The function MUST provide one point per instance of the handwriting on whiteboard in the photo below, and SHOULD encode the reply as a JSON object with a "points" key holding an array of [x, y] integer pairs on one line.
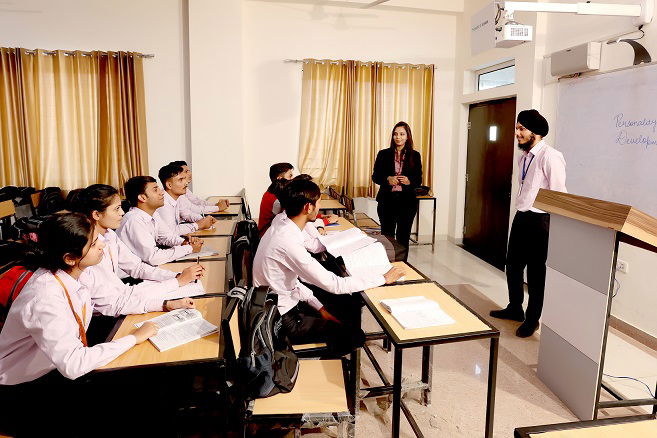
{"points": [[632, 138]]}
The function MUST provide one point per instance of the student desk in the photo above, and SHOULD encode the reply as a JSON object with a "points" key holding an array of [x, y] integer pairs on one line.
{"points": [[233, 200], [468, 326], [410, 272], [207, 349], [233, 210], [214, 280], [331, 205], [342, 224], [416, 233], [636, 426], [221, 229]]}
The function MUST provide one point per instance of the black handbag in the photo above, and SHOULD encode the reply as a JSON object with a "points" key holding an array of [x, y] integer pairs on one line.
{"points": [[422, 190]]}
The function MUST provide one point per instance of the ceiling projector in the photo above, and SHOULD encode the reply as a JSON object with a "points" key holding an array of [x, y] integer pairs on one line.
{"points": [[511, 34]]}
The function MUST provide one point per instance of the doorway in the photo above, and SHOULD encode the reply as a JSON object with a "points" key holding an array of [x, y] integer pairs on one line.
{"points": [[489, 169]]}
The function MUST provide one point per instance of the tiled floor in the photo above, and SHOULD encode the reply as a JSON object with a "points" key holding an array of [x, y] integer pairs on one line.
{"points": [[460, 369]]}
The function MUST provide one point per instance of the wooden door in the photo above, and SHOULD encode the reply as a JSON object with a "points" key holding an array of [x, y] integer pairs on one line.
{"points": [[491, 134]]}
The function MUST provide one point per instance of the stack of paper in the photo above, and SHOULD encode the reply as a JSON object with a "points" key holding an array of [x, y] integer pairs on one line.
{"points": [[346, 242], [371, 259], [179, 327], [189, 290], [416, 312]]}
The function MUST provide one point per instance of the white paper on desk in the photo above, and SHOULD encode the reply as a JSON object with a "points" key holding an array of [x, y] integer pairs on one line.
{"points": [[179, 327], [417, 312], [207, 252], [189, 290], [345, 242], [371, 259]]}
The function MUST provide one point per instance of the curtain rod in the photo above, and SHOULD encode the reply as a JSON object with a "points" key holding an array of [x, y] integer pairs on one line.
{"points": [[385, 64], [83, 53]]}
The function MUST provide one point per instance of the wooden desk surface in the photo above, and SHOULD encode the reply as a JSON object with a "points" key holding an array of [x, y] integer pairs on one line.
{"points": [[410, 273], [221, 228], [466, 321], [343, 224], [639, 429], [331, 204], [231, 199], [232, 210], [145, 353], [320, 388], [214, 280]]}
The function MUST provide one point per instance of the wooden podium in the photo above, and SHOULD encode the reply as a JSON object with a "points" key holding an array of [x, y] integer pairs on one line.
{"points": [[579, 283]]}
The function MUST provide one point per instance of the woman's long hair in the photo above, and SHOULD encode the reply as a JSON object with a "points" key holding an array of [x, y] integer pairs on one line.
{"points": [[408, 146]]}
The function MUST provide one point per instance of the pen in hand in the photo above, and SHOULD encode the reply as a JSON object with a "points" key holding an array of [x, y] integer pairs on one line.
{"points": [[198, 263]]}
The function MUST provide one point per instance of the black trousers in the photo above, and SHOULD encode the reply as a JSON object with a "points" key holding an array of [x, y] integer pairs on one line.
{"points": [[396, 213], [528, 246], [305, 325]]}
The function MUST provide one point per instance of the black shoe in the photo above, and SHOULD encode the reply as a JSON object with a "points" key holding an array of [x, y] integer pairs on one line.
{"points": [[526, 329], [513, 315]]}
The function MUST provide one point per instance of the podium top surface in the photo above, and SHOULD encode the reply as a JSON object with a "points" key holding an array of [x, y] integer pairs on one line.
{"points": [[638, 227]]}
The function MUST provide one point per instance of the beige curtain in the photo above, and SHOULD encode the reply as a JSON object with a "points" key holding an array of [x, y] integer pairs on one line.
{"points": [[348, 117], [71, 120]]}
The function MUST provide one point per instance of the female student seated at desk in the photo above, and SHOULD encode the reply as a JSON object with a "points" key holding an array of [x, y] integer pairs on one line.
{"points": [[110, 296], [43, 342]]}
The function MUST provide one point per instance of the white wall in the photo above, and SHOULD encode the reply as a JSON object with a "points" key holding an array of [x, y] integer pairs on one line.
{"points": [[276, 31], [637, 298], [147, 26]]}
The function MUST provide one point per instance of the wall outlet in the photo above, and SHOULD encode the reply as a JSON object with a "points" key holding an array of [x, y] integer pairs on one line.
{"points": [[622, 266]]}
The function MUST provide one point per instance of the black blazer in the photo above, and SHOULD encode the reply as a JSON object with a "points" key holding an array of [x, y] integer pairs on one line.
{"points": [[384, 166]]}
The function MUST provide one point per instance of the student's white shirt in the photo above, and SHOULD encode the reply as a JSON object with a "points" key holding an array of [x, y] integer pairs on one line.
{"points": [[169, 215], [276, 209], [110, 296], [141, 233], [282, 257], [41, 334], [198, 205]]}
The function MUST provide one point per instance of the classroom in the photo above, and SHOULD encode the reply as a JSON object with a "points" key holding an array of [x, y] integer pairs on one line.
{"points": [[234, 217]]}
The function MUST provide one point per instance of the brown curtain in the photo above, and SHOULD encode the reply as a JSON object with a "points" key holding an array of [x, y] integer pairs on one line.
{"points": [[71, 120], [347, 118]]}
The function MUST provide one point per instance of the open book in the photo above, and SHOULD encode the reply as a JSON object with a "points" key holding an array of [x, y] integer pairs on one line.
{"points": [[416, 312], [345, 242], [371, 259], [189, 290], [203, 253], [179, 327]]}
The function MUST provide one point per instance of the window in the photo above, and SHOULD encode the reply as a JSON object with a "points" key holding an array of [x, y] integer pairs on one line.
{"points": [[496, 76]]}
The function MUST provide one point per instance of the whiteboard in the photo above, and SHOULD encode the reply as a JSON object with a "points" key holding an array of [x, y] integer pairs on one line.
{"points": [[607, 131]]}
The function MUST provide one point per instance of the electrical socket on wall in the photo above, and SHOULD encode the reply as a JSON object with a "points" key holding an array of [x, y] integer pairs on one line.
{"points": [[622, 266]]}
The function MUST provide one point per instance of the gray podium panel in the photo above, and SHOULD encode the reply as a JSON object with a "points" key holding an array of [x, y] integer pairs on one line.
{"points": [[581, 251], [570, 374], [576, 312]]}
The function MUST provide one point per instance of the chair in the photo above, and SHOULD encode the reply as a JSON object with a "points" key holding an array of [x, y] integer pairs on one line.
{"points": [[359, 219], [320, 396], [333, 193], [7, 212]]}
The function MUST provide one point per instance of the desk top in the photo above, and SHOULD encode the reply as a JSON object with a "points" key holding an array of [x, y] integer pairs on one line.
{"points": [[231, 199], [215, 273], [203, 349], [639, 429], [221, 228], [331, 204], [343, 224], [232, 210], [468, 323], [410, 273]]}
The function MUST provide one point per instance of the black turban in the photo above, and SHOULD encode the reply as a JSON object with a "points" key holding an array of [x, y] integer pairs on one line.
{"points": [[534, 121]]}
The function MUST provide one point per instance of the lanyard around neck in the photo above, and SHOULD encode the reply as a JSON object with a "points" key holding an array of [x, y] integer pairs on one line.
{"points": [[526, 169], [83, 333]]}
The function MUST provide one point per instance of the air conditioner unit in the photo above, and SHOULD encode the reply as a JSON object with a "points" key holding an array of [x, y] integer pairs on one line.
{"points": [[579, 59]]}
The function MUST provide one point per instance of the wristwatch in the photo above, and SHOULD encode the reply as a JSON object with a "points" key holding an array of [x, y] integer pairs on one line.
{"points": [[164, 306]]}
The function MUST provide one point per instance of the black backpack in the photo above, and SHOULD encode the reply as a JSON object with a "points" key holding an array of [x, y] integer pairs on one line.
{"points": [[51, 201], [267, 364]]}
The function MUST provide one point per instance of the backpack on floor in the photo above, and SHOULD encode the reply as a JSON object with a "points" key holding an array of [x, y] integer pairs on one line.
{"points": [[267, 364]]}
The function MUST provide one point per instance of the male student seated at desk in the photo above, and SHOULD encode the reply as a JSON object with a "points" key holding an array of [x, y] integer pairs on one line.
{"points": [[282, 259], [143, 234], [43, 343], [190, 204], [175, 184], [111, 297]]}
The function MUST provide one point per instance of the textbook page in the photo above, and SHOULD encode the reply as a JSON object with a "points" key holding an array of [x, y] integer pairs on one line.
{"points": [[207, 252], [179, 327], [189, 290], [345, 242], [371, 259], [417, 312]]}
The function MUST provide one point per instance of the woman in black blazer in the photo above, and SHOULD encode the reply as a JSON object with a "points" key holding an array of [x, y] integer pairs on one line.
{"points": [[398, 170]]}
